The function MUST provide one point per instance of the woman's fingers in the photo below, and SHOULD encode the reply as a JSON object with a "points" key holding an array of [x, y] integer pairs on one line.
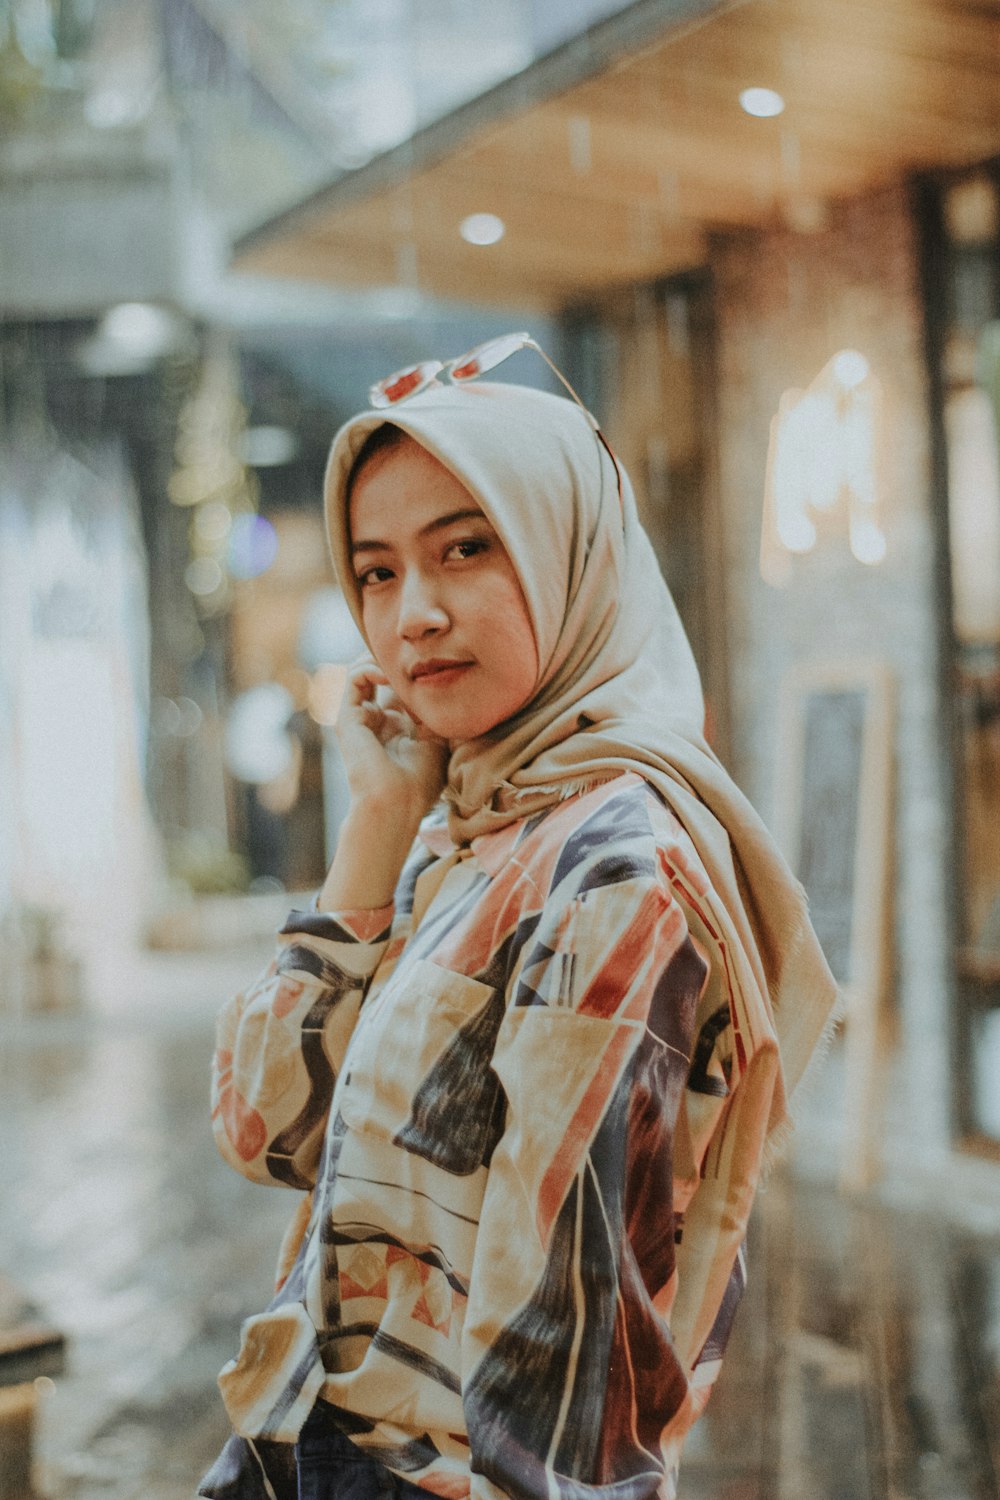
{"points": [[361, 705], [386, 723], [387, 753], [381, 709], [363, 678], [371, 706]]}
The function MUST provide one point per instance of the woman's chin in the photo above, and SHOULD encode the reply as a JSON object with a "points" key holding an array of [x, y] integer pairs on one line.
{"points": [[458, 728]]}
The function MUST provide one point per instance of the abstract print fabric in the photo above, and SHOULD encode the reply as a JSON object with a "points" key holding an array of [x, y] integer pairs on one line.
{"points": [[619, 691], [503, 1095]]}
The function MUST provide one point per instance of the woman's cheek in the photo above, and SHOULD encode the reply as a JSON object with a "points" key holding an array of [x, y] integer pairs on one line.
{"points": [[379, 635]]}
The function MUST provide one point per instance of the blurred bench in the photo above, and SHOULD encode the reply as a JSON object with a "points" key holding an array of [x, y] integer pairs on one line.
{"points": [[29, 1348]]}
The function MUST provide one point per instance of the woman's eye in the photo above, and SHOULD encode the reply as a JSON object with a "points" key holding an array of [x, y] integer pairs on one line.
{"points": [[467, 547], [373, 575]]}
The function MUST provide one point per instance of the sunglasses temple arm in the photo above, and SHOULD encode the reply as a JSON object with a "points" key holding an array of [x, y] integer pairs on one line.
{"points": [[588, 414], [562, 379]]}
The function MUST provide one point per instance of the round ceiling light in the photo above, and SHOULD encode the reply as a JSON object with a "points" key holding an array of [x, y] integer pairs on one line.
{"points": [[761, 103], [482, 229]]}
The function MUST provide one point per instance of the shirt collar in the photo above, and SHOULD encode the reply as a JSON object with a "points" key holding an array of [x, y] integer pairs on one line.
{"points": [[491, 851]]}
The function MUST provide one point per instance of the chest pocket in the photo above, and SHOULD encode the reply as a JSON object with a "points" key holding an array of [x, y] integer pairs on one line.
{"points": [[418, 1069]]}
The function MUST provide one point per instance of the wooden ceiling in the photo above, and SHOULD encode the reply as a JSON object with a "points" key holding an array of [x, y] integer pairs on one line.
{"points": [[621, 175]]}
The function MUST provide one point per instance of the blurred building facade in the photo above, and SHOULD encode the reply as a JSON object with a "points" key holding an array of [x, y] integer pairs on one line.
{"points": [[285, 197]]}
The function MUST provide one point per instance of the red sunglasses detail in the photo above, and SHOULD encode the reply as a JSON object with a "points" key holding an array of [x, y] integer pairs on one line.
{"points": [[403, 384], [407, 382]]}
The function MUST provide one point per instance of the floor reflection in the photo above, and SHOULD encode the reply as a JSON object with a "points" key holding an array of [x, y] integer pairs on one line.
{"points": [[864, 1364]]}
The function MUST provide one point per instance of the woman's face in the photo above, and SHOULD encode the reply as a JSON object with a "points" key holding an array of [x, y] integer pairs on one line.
{"points": [[441, 602]]}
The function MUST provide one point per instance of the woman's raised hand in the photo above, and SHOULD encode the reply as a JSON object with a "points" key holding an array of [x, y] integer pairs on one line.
{"points": [[392, 763], [395, 772]]}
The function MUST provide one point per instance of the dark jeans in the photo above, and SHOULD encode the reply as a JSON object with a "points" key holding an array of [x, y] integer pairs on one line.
{"points": [[330, 1467]]}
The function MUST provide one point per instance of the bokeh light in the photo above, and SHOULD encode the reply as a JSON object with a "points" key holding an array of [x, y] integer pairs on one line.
{"points": [[212, 521], [482, 229], [253, 546], [850, 368], [203, 576], [326, 692], [189, 717], [763, 104], [868, 542], [328, 632], [257, 745]]}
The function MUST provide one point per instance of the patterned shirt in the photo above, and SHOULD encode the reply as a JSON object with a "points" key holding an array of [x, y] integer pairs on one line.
{"points": [[499, 1093]]}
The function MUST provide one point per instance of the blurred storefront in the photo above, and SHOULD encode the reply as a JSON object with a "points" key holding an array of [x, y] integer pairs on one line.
{"points": [[764, 241]]}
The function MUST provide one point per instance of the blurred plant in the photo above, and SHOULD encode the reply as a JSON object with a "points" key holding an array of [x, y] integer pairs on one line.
{"points": [[205, 866], [21, 81]]}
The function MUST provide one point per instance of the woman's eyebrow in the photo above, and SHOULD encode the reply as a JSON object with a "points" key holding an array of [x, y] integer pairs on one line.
{"points": [[438, 524]]}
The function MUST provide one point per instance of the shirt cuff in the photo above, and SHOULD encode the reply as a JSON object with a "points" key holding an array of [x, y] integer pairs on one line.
{"points": [[365, 925]]}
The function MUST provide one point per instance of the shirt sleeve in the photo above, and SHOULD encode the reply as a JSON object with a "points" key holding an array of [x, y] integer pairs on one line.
{"points": [[571, 1383], [281, 1042]]}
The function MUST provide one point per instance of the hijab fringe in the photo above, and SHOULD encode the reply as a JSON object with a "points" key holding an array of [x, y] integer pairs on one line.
{"points": [[781, 1135]]}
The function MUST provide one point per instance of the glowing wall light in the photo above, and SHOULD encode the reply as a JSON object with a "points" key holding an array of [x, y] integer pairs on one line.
{"points": [[823, 454]]}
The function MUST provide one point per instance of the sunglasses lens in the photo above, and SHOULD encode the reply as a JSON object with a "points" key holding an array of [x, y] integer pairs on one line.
{"points": [[486, 356], [403, 383], [468, 369]]}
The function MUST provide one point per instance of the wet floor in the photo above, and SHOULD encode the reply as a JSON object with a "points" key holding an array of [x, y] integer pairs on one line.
{"points": [[865, 1364]]}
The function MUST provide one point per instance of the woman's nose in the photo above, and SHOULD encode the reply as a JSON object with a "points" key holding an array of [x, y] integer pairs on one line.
{"points": [[420, 607]]}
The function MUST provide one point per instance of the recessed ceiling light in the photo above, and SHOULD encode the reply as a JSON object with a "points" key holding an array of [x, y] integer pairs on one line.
{"points": [[482, 229], [763, 103]]}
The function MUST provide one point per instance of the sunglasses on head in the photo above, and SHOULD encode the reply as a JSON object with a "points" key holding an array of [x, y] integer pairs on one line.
{"points": [[410, 381]]}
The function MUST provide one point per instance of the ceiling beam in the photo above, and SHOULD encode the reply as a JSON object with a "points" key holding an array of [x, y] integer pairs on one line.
{"points": [[639, 25]]}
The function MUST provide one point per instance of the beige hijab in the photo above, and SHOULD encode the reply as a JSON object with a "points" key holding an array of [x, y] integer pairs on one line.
{"points": [[618, 690]]}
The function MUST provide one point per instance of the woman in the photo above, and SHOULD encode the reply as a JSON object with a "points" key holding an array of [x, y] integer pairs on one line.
{"points": [[528, 1053]]}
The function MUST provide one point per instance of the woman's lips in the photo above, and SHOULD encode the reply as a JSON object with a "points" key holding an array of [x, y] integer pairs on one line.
{"points": [[438, 673]]}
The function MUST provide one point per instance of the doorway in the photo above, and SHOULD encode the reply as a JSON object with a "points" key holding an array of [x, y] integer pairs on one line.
{"points": [[644, 360], [960, 220]]}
